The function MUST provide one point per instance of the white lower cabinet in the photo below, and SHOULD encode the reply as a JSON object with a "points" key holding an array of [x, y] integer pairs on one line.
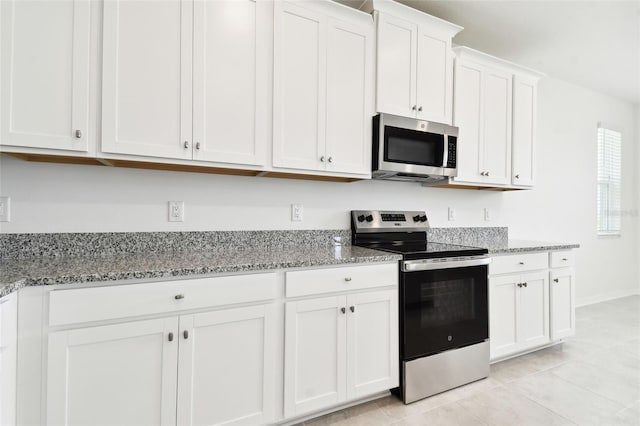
{"points": [[519, 307], [339, 348], [8, 353], [189, 369], [532, 301]]}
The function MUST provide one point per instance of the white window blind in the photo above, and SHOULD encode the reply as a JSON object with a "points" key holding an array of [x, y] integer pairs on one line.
{"points": [[609, 181]]}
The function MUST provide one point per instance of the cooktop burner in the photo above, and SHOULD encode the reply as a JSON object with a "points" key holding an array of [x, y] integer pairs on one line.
{"points": [[404, 233]]}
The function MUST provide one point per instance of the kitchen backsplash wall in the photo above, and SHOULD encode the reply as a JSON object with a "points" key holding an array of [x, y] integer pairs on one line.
{"points": [[71, 198]]}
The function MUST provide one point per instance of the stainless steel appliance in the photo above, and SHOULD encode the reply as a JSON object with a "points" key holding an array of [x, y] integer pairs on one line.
{"points": [[413, 150], [444, 319]]}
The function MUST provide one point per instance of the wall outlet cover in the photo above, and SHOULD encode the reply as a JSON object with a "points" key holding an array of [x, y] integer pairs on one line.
{"points": [[176, 211], [5, 209], [452, 214], [487, 214], [297, 212]]}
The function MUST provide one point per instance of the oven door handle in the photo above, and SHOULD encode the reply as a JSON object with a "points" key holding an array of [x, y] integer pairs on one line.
{"points": [[429, 264]]}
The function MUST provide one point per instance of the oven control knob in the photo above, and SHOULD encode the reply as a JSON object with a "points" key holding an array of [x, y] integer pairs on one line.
{"points": [[423, 218], [416, 218], [361, 218], [369, 218]]}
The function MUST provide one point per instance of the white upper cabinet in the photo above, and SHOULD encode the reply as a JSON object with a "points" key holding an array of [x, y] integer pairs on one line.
{"points": [[45, 74], [146, 86], [186, 79], [524, 129], [323, 63], [414, 63], [231, 60], [494, 108]]}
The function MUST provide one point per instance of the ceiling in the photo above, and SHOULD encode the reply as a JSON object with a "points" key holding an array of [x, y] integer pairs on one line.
{"points": [[595, 44]]}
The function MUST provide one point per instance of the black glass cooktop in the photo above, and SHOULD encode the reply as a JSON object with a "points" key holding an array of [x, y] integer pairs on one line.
{"points": [[426, 250]]}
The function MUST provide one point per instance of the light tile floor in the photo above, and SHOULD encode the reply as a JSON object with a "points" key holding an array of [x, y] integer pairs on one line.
{"points": [[591, 379]]}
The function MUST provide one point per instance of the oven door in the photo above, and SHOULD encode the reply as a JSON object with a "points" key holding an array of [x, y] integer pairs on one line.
{"points": [[443, 309]]}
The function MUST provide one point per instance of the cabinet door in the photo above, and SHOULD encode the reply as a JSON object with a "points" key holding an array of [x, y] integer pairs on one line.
{"points": [[468, 108], [372, 343], [563, 304], [524, 127], [8, 353], [396, 75], [224, 379], [503, 315], [146, 78], [230, 86], [434, 77], [315, 355], [496, 140], [115, 374], [45, 74], [299, 101], [533, 328], [349, 93]]}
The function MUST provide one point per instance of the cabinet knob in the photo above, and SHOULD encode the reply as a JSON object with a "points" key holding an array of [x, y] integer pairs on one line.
{"points": [[322, 159], [414, 107], [555, 280], [519, 284], [170, 337], [352, 308], [517, 176], [343, 310], [330, 159], [420, 109], [78, 134], [486, 173], [524, 285], [347, 279], [178, 296], [186, 144], [197, 145], [483, 173]]}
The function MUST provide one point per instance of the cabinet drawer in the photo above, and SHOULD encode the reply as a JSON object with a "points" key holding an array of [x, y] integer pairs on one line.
{"points": [[103, 303], [318, 281], [518, 263], [561, 259]]}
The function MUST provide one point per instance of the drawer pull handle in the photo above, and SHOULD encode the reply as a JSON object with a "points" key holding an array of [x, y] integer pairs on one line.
{"points": [[347, 279], [352, 308], [179, 296], [343, 310], [564, 259], [555, 280], [185, 334], [171, 337], [520, 263]]}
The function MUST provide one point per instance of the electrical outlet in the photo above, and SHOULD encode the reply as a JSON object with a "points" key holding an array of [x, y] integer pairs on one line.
{"points": [[5, 209], [452, 214], [297, 212], [487, 214], [176, 211]]}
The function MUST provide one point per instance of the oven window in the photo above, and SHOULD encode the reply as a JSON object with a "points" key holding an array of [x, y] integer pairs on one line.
{"points": [[443, 309], [413, 147]]}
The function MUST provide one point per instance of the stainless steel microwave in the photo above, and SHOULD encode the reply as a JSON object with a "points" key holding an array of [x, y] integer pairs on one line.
{"points": [[413, 150]]}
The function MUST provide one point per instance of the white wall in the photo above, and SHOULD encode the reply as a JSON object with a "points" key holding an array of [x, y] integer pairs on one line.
{"points": [[66, 198]]}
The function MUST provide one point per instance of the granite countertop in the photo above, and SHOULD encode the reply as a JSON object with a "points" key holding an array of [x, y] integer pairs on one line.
{"points": [[523, 246], [18, 273]]}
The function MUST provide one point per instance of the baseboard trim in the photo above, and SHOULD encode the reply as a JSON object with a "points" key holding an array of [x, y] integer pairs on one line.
{"points": [[604, 297]]}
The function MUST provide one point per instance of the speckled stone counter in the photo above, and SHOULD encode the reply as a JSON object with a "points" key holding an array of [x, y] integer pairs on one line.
{"points": [[18, 273], [523, 246]]}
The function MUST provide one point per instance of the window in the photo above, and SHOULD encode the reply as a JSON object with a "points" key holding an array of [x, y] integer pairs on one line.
{"points": [[609, 181]]}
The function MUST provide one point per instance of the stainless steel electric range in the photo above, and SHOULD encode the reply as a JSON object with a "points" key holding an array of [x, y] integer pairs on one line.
{"points": [[444, 319]]}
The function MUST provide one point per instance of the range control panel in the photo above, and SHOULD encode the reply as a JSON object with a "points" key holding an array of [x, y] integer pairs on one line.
{"points": [[388, 221]]}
